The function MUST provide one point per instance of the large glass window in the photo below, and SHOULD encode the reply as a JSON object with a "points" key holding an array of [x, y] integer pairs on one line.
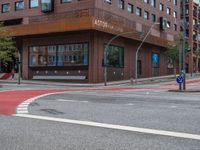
{"points": [[61, 55], [5, 8], [33, 3], [115, 56], [51, 55], [19, 5]]}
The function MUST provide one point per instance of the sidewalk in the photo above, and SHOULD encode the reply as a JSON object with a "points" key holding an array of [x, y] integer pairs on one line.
{"points": [[170, 78]]}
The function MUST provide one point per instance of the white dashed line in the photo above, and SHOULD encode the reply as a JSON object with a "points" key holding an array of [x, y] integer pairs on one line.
{"points": [[73, 101], [116, 127]]}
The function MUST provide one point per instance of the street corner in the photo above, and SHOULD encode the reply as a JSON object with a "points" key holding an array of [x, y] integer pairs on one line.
{"points": [[11, 99]]}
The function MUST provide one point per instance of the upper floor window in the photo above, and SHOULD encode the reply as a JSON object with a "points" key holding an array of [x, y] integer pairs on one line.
{"points": [[19, 5], [130, 8], [33, 3], [153, 16], [146, 15], [108, 1], [175, 27], [168, 11], [138, 11], [175, 14], [153, 3], [175, 2], [47, 5], [66, 1], [161, 7], [146, 1], [121, 4], [5, 8]]}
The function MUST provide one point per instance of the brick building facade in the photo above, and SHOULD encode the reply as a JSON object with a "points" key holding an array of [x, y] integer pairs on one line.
{"points": [[65, 39]]}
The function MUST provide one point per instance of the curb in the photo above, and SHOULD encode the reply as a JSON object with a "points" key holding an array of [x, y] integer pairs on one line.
{"points": [[185, 91]]}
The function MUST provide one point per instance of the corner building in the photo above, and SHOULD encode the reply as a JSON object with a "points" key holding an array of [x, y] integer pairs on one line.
{"points": [[65, 39]]}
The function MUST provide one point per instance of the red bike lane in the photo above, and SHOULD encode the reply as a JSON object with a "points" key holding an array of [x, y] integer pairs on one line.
{"points": [[9, 100]]}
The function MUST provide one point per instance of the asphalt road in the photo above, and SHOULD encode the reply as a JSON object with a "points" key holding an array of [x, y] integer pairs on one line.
{"points": [[28, 134], [142, 109]]}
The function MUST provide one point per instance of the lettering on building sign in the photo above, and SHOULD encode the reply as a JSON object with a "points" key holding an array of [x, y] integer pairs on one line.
{"points": [[106, 25]]}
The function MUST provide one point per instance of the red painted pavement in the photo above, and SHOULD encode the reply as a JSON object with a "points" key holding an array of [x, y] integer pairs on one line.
{"points": [[9, 100]]}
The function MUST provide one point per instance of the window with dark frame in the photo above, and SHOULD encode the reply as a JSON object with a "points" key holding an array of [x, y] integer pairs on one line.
{"points": [[146, 15], [130, 8], [47, 5], [5, 8], [108, 1], [138, 11], [65, 1], [33, 3], [121, 4], [153, 17], [19, 5], [115, 56]]}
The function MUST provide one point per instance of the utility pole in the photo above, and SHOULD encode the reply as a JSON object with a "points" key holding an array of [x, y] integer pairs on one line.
{"points": [[184, 40]]}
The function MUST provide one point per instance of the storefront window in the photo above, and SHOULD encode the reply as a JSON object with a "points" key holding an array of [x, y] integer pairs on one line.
{"points": [[51, 57], [115, 56], [61, 55]]}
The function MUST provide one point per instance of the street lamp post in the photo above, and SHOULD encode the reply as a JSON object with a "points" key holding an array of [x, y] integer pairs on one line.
{"points": [[106, 51], [136, 54]]}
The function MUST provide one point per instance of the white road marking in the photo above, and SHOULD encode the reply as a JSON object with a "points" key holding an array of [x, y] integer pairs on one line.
{"points": [[173, 106], [22, 112], [25, 104], [130, 104], [73, 101], [22, 108], [116, 127]]}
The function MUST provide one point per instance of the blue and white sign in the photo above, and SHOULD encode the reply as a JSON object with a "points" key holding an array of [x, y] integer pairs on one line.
{"points": [[179, 79], [155, 60]]}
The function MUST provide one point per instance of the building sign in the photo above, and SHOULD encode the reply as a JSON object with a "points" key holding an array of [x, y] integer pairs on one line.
{"points": [[107, 26], [155, 59]]}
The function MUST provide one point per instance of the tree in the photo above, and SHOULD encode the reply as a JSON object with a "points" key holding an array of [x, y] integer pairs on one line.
{"points": [[7, 45], [172, 51]]}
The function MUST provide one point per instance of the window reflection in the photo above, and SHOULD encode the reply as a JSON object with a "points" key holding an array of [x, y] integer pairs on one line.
{"points": [[61, 55]]}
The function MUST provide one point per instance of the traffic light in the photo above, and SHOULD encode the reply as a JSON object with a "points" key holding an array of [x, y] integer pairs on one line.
{"points": [[163, 23]]}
